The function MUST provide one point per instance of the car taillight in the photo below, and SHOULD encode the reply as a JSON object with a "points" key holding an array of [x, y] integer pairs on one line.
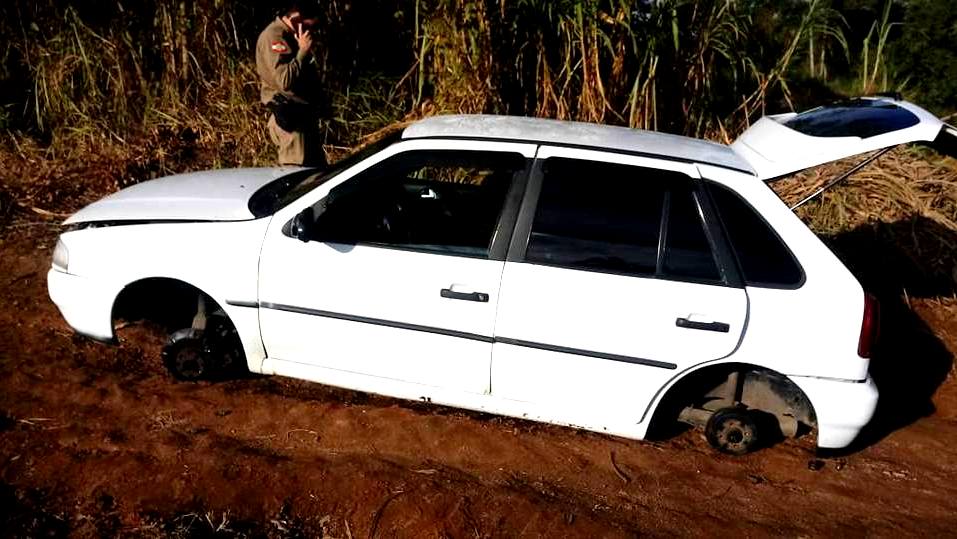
{"points": [[870, 326]]}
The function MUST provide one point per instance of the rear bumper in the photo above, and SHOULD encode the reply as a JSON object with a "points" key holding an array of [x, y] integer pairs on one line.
{"points": [[85, 304], [842, 408]]}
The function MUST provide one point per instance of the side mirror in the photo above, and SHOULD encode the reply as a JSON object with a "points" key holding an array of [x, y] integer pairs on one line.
{"points": [[303, 224]]}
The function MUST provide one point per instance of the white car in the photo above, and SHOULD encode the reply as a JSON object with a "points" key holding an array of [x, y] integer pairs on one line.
{"points": [[599, 277]]}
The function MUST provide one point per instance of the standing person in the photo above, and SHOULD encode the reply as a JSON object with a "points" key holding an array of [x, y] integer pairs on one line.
{"points": [[289, 84]]}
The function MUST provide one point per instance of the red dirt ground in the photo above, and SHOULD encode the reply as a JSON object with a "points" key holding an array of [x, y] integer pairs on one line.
{"points": [[98, 441]]}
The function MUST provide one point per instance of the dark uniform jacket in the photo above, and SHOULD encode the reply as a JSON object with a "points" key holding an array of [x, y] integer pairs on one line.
{"points": [[283, 68]]}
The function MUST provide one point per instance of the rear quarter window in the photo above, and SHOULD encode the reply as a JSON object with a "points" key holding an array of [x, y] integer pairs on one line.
{"points": [[764, 259]]}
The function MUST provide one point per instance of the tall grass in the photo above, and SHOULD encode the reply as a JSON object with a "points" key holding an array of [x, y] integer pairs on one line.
{"points": [[94, 96], [178, 69], [915, 189], [179, 74], [701, 68], [691, 67], [114, 82], [874, 70]]}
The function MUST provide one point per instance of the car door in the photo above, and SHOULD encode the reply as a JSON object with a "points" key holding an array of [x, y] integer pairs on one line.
{"points": [[399, 275], [611, 287]]}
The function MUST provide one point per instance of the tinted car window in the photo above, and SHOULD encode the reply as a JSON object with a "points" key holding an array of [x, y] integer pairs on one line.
{"points": [[853, 118], [762, 256], [280, 192], [609, 217], [687, 250], [436, 201]]}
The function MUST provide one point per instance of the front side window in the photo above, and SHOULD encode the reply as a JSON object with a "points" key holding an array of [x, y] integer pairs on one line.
{"points": [[439, 201], [619, 219], [281, 192]]}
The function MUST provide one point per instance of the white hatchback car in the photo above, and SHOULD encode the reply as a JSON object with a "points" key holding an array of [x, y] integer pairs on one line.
{"points": [[600, 277]]}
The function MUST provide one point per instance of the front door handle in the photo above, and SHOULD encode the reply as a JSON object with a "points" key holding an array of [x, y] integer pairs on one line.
{"points": [[720, 327], [466, 296]]}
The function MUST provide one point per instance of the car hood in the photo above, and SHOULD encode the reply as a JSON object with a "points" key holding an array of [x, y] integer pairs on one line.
{"points": [[214, 195]]}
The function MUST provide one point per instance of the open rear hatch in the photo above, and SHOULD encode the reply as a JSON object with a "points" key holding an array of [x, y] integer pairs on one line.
{"points": [[782, 144]]}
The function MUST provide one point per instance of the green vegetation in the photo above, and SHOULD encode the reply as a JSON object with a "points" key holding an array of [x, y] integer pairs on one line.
{"points": [[925, 55], [168, 70], [116, 70], [95, 95]]}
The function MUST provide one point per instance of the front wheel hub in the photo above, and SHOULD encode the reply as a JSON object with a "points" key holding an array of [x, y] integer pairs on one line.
{"points": [[186, 355]]}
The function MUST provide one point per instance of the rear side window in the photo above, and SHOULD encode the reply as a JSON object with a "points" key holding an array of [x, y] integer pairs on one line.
{"points": [[619, 219], [764, 259], [687, 252]]}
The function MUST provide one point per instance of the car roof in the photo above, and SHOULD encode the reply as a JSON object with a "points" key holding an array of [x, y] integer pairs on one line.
{"points": [[578, 134]]}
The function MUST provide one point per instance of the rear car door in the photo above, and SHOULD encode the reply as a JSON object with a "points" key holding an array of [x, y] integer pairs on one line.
{"points": [[613, 284], [399, 278]]}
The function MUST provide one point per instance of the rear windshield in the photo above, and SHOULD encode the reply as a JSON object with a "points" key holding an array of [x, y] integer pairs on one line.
{"points": [[853, 118]]}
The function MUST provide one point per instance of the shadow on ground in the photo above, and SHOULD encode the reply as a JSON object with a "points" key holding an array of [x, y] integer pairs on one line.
{"points": [[897, 262]]}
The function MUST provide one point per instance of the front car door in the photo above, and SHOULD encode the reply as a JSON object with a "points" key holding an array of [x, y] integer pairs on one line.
{"points": [[612, 286], [398, 283]]}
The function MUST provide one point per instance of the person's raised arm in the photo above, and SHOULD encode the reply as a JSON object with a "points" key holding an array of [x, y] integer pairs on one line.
{"points": [[286, 67]]}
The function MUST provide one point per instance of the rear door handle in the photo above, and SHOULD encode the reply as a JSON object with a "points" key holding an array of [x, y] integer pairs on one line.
{"points": [[466, 296], [720, 327]]}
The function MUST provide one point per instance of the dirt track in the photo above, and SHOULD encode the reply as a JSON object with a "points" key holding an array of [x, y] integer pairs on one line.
{"points": [[97, 440]]}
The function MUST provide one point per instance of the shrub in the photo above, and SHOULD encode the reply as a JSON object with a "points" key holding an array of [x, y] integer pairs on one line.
{"points": [[926, 57]]}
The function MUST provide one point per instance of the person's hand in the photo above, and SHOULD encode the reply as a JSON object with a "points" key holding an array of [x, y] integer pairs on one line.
{"points": [[304, 39]]}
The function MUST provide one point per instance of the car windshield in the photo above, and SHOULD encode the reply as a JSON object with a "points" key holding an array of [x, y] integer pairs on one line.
{"points": [[279, 193]]}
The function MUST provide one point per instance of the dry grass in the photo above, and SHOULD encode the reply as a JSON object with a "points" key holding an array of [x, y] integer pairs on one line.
{"points": [[913, 189], [60, 179], [903, 183], [165, 420], [170, 87]]}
